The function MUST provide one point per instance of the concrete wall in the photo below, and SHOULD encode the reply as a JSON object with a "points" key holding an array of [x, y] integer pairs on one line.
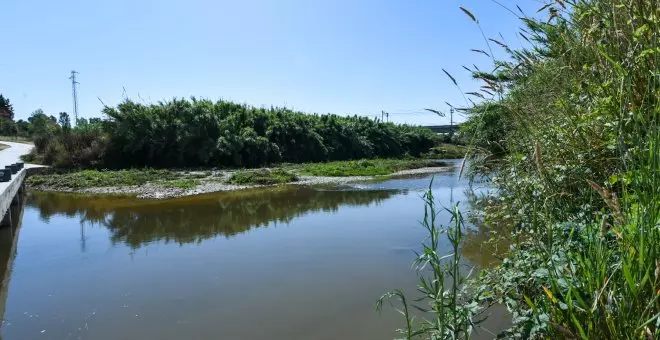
{"points": [[9, 191]]}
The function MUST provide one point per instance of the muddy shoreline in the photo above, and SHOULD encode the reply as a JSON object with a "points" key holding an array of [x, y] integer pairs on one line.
{"points": [[156, 191]]}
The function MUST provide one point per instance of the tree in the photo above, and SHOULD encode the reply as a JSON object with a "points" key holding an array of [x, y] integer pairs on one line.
{"points": [[42, 125], [6, 109], [81, 122], [23, 128], [65, 121], [8, 127]]}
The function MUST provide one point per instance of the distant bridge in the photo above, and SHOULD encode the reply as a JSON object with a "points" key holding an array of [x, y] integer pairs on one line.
{"points": [[443, 128]]}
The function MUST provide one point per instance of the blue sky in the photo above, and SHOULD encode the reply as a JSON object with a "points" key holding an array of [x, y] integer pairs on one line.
{"points": [[338, 56]]}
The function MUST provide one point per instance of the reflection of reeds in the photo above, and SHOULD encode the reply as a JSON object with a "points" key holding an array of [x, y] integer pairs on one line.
{"points": [[192, 219]]}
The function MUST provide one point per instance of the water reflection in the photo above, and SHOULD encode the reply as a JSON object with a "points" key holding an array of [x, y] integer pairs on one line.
{"points": [[213, 266], [8, 243], [194, 219]]}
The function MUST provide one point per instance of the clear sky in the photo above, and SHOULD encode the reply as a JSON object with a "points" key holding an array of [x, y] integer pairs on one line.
{"points": [[330, 56]]}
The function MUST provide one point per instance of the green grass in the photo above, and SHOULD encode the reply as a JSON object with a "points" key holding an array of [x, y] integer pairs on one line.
{"points": [[56, 180], [365, 167], [262, 177], [446, 151], [3, 146], [15, 139], [183, 183], [100, 178]]}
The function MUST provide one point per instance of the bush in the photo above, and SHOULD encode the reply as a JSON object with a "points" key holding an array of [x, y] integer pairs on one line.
{"points": [[73, 149]]}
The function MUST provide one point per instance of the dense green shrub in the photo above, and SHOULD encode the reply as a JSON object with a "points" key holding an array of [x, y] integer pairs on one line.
{"points": [[206, 133], [184, 133], [81, 147]]}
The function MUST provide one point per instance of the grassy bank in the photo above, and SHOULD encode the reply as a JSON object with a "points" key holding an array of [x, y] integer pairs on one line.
{"points": [[262, 177], [83, 179], [96, 178], [365, 167]]}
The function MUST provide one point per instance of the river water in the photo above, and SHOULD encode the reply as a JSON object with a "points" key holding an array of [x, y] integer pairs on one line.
{"points": [[281, 263]]}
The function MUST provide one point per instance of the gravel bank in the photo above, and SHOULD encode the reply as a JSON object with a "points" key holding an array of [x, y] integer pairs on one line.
{"points": [[216, 183]]}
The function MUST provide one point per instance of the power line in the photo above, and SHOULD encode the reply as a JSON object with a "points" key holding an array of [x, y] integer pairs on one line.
{"points": [[409, 113], [75, 96], [386, 114]]}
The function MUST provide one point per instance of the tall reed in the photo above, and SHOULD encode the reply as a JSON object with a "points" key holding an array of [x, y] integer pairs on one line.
{"points": [[448, 310], [570, 134], [579, 178]]}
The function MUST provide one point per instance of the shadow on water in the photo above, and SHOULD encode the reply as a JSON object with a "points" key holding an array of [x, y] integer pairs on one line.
{"points": [[8, 245], [197, 218]]}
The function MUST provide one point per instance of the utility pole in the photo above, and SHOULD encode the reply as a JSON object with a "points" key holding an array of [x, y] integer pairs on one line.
{"points": [[75, 96], [451, 118], [386, 114]]}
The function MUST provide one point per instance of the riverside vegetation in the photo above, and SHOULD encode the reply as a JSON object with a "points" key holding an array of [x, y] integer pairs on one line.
{"points": [[195, 134], [202, 133], [568, 129]]}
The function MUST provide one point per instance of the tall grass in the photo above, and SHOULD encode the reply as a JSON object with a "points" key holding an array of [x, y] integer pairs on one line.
{"points": [[570, 134], [580, 172]]}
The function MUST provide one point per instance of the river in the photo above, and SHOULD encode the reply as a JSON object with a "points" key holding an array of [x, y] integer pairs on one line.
{"points": [[280, 263]]}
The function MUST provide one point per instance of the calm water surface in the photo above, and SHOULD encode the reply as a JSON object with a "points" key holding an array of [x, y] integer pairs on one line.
{"points": [[285, 263]]}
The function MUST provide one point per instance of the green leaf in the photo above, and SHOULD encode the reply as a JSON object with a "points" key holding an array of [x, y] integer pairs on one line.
{"points": [[529, 302], [629, 279], [578, 326], [640, 30], [616, 65]]}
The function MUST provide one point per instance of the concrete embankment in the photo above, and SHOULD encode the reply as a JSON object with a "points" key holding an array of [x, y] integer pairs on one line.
{"points": [[9, 191]]}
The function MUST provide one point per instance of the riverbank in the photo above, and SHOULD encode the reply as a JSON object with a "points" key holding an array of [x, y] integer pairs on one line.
{"points": [[162, 184]]}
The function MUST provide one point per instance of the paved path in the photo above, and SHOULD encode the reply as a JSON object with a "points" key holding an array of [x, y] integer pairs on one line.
{"points": [[8, 190], [13, 153]]}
